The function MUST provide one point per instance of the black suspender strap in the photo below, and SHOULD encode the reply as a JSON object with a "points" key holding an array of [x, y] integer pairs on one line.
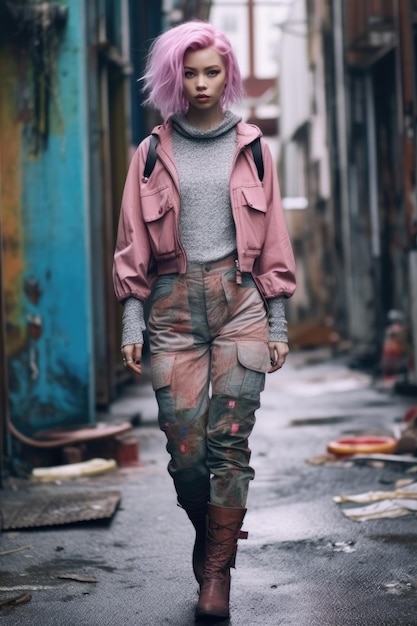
{"points": [[150, 158], [257, 157]]}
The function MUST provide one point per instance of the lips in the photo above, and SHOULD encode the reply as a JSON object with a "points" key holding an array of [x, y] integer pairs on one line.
{"points": [[202, 97]]}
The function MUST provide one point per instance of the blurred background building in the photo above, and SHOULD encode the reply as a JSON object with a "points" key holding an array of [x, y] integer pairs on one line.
{"points": [[331, 83]]}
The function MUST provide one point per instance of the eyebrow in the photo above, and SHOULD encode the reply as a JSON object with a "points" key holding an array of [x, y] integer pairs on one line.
{"points": [[209, 67]]}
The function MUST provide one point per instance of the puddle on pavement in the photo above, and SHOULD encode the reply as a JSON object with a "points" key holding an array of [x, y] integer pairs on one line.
{"points": [[400, 588], [409, 540], [320, 421], [328, 546], [64, 565], [46, 574]]}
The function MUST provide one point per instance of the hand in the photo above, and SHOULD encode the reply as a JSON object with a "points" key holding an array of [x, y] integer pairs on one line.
{"points": [[132, 357], [278, 351]]}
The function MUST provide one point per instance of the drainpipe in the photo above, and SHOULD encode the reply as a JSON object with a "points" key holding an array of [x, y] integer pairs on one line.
{"points": [[407, 106], [341, 124], [373, 209], [412, 262]]}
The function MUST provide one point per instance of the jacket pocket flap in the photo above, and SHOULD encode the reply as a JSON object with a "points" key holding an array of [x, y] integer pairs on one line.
{"points": [[156, 205], [254, 197], [254, 355]]}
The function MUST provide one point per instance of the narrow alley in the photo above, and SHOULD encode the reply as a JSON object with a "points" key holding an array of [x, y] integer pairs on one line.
{"points": [[304, 563], [318, 213]]}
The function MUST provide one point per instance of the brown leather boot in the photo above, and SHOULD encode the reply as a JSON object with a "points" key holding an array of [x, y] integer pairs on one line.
{"points": [[197, 513], [223, 531]]}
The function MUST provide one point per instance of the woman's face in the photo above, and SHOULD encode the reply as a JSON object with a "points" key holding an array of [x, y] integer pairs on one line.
{"points": [[204, 78]]}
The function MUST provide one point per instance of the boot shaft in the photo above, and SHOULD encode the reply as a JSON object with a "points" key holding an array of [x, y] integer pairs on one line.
{"points": [[223, 531]]}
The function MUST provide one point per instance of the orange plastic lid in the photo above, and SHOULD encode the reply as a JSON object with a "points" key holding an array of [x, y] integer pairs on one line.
{"points": [[368, 444]]}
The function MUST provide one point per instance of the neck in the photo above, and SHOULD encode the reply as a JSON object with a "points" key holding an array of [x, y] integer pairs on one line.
{"points": [[204, 120]]}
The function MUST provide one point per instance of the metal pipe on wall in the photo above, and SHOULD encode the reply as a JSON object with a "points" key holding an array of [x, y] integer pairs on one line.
{"points": [[412, 261], [341, 123], [374, 207], [407, 161]]}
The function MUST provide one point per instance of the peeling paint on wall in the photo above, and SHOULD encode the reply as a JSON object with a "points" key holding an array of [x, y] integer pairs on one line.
{"points": [[45, 225], [10, 192]]}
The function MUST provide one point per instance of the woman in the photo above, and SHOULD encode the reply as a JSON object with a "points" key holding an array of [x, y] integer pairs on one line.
{"points": [[208, 238]]}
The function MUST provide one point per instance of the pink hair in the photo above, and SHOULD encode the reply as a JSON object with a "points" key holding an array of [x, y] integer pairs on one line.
{"points": [[163, 77]]}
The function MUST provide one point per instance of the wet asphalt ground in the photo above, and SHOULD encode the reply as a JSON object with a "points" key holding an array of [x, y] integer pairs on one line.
{"points": [[304, 564]]}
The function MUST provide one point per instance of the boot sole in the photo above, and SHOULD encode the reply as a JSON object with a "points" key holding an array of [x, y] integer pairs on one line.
{"points": [[212, 614]]}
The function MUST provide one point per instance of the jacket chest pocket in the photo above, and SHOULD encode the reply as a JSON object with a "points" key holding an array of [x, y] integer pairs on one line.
{"points": [[252, 214], [159, 217]]}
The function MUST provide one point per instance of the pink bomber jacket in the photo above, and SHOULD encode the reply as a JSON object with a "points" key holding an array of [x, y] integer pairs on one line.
{"points": [[148, 242]]}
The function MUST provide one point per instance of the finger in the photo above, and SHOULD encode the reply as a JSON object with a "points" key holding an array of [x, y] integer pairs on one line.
{"points": [[274, 361], [132, 357], [137, 353], [135, 364], [278, 353]]}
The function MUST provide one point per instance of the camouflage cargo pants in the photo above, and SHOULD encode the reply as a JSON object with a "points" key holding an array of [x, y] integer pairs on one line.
{"points": [[209, 355]]}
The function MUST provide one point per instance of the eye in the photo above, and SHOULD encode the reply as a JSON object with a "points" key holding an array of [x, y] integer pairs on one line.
{"points": [[188, 74], [213, 73]]}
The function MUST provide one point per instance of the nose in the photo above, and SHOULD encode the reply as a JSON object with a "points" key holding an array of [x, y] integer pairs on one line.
{"points": [[201, 83]]}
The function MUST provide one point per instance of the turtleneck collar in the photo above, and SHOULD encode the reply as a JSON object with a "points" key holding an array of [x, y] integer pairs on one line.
{"points": [[180, 124]]}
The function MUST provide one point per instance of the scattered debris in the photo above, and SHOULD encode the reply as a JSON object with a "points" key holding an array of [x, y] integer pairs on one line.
{"points": [[93, 467], [23, 598], [376, 496], [403, 482], [408, 439], [376, 464], [26, 588], [386, 458], [344, 546], [15, 550], [329, 460], [46, 509], [81, 578], [398, 588], [385, 503]]}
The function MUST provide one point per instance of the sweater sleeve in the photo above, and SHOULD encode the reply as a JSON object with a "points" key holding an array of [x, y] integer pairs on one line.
{"points": [[277, 320], [133, 322]]}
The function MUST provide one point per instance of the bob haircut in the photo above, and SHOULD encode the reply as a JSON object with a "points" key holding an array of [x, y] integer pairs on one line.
{"points": [[163, 77]]}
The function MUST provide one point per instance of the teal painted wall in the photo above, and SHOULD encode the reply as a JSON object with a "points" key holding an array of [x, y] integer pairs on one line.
{"points": [[47, 264]]}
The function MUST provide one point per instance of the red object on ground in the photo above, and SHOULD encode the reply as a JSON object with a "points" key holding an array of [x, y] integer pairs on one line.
{"points": [[127, 452], [368, 444], [411, 414]]}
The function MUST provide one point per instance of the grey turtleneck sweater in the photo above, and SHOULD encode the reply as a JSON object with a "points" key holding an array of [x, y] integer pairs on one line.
{"points": [[207, 228]]}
